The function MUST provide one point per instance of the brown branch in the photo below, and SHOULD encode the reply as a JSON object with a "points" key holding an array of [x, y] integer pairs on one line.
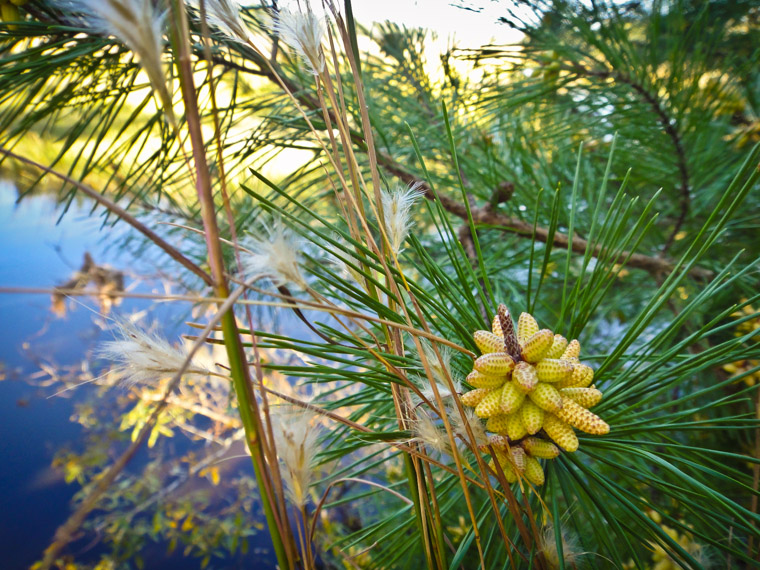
{"points": [[668, 126], [486, 216]]}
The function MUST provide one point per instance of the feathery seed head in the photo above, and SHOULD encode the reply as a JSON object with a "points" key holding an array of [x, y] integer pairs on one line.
{"points": [[143, 357], [225, 16], [548, 546], [296, 437], [397, 207], [440, 370], [139, 25], [425, 431], [426, 389], [303, 31], [276, 257], [460, 424]]}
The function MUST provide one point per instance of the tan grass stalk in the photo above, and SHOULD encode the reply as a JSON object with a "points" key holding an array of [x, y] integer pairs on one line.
{"points": [[229, 14], [279, 529]]}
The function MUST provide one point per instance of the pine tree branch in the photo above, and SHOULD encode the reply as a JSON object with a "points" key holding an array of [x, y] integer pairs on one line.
{"points": [[488, 216], [668, 125]]}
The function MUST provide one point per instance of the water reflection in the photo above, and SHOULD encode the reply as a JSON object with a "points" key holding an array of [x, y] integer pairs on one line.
{"points": [[41, 250]]}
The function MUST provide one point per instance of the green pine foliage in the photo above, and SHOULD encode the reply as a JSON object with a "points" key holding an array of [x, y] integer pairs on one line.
{"points": [[600, 175]]}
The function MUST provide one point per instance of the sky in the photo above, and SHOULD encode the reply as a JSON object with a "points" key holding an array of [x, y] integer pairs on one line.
{"points": [[470, 27]]}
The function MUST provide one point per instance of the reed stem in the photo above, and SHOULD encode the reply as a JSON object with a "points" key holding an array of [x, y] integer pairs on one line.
{"points": [[279, 529]]}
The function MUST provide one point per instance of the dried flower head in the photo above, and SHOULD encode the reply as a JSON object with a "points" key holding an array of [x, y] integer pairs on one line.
{"points": [[397, 205], [225, 16], [296, 437], [141, 357], [426, 431], [460, 424], [276, 256], [138, 24], [548, 546], [440, 369], [303, 31]]}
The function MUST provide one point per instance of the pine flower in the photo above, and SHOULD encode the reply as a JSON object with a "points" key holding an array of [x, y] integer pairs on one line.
{"points": [[296, 435], [139, 25], [142, 357], [303, 31], [225, 16], [530, 382], [396, 214], [276, 257]]}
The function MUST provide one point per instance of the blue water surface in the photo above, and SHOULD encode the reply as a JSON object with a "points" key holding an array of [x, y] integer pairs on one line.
{"points": [[39, 249]]}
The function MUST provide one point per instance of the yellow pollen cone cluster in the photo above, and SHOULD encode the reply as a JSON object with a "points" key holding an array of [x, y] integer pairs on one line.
{"points": [[521, 460], [531, 387]]}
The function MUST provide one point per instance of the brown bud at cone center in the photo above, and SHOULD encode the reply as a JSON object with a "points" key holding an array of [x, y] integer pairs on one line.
{"points": [[511, 345]]}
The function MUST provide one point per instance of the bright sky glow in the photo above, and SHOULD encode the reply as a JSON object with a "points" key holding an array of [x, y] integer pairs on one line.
{"points": [[449, 24], [452, 24]]}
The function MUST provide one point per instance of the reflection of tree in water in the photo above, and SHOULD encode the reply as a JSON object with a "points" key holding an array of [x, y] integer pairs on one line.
{"points": [[192, 492], [108, 284]]}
